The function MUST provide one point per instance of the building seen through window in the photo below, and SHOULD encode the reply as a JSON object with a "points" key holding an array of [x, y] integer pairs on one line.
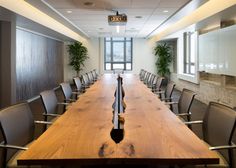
{"points": [[118, 53]]}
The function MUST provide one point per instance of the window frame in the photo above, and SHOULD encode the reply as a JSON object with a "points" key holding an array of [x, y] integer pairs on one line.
{"points": [[124, 41], [187, 54]]}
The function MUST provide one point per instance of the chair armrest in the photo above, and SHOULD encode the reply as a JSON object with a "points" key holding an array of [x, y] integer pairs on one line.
{"points": [[70, 100], [222, 147], [167, 98], [184, 114], [169, 103], [43, 122], [164, 99], [85, 86], [75, 92], [13, 147], [61, 103], [52, 115], [193, 122]]}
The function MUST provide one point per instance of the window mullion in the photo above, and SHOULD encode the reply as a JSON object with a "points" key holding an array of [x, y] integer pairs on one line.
{"points": [[124, 54], [189, 53], [111, 54]]}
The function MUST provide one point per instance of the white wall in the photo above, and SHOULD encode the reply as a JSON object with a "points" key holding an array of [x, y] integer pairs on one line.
{"points": [[92, 45], [143, 55]]}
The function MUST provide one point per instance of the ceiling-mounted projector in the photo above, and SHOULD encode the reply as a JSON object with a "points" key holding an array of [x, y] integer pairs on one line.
{"points": [[117, 20]]}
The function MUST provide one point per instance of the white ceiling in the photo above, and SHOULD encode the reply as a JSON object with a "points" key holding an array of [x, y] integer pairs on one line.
{"points": [[93, 20]]}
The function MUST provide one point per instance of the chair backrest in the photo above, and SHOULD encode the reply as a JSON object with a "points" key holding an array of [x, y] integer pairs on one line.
{"points": [[17, 125], [142, 77], [159, 83], [66, 90], [154, 80], [141, 72], [169, 89], [147, 77], [218, 126], [151, 79], [85, 79], [50, 101], [77, 83], [95, 73], [185, 101], [90, 77]]}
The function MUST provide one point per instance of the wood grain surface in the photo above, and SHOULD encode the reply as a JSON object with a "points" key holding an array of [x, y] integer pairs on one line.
{"points": [[152, 133]]}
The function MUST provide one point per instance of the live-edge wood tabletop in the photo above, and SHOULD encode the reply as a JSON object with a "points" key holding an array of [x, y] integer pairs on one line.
{"points": [[152, 133]]}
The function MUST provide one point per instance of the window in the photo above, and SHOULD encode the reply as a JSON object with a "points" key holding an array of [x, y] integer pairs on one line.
{"points": [[189, 52], [118, 53]]}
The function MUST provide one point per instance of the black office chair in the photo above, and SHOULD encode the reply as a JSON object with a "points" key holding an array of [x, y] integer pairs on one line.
{"points": [[93, 72], [17, 126], [51, 105], [142, 76], [141, 73], [166, 95], [79, 87], [90, 78], [184, 104], [85, 81], [218, 126], [151, 81], [69, 95], [147, 78], [156, 87]]}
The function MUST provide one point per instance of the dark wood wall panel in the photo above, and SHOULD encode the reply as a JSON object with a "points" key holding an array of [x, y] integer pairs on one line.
{"points": [[39, 64], [7, 79]]}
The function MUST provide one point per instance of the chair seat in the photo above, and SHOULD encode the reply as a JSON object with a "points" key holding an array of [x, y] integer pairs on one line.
{"points": [[12, 163]]}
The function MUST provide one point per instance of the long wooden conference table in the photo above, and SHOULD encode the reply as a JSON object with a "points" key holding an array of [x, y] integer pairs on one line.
{"points": [[152, 133]]}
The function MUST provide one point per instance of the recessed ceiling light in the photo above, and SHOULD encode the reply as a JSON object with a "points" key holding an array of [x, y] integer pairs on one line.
{"points": [[165, 11], [69, 11], [138, 17], [89, 3]]}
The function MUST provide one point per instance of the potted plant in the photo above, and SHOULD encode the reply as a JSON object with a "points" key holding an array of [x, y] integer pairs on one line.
{"points": [[164, 58], [78, 54]]}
